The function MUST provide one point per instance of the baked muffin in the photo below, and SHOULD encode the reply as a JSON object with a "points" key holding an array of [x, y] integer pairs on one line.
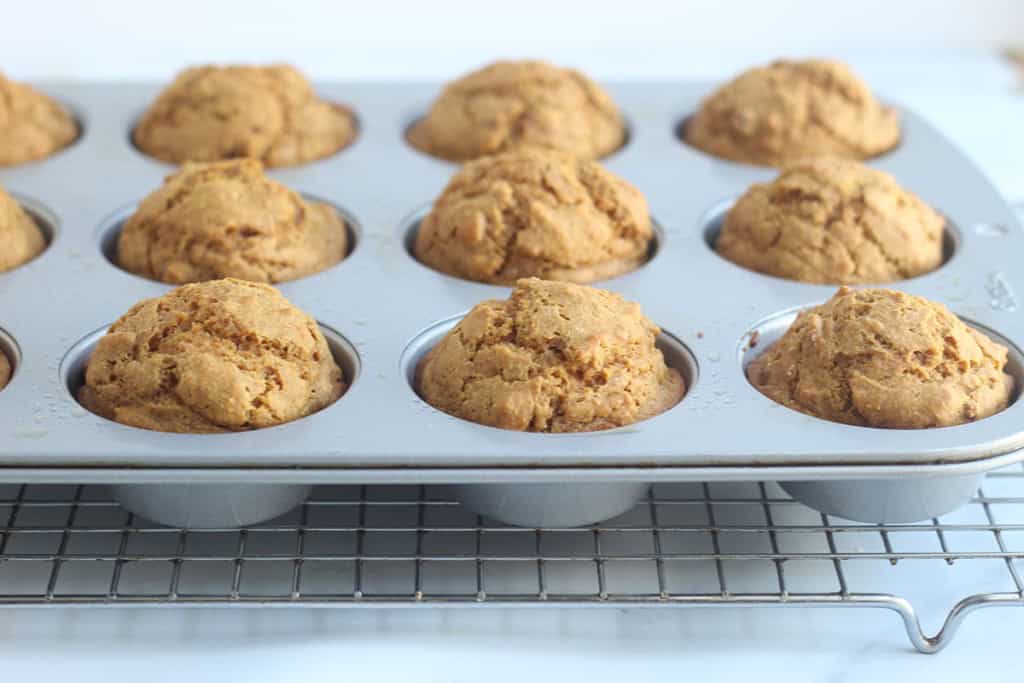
{"points": [[554, 357], [228, 219], [21, 240], [879, 358], [5, 370], [792, 110], [218, 356], [833, 221], [270, 113], [32, 125], [535, 212], [520, 104]]}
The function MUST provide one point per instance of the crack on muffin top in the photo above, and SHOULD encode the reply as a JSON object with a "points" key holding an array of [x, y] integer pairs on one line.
{"points": [[554, 357], [218, 356], [270, 113], [535, 213], [882, 358], [791, 110], [228, 219], [833, 221], [507, 105]]}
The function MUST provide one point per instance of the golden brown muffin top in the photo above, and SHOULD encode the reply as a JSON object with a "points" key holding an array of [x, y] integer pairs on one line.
{"points": [[554, 357], [832, 221], [511, 104], [5, 370], [218, 356], [21, 240], [32, 125], [880, 358], [535, 212], [228, 219], [791, 110], [270, 113]]}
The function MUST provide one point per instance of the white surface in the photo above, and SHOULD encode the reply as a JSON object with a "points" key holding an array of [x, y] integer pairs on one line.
{"points": [[492, 645], [402, 40], [970, 95]]}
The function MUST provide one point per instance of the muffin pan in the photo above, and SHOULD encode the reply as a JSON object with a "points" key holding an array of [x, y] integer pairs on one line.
{"points": [[386, 310]]}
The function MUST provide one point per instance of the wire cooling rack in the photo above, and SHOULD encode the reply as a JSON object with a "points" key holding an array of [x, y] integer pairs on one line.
{"points": [[686, 545]]}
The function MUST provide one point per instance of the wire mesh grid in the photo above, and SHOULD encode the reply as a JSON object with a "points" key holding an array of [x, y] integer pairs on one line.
{"points": [[686, 544]]}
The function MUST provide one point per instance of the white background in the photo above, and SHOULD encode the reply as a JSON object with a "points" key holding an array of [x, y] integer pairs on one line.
{"points": [[938, 57], [436, 38]]}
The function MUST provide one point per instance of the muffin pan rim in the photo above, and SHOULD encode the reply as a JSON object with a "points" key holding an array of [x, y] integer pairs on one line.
{"points": [[380, 180], [11, 350]]}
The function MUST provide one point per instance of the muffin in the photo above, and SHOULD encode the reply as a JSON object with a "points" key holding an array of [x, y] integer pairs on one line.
{"points": [[32, 125], [833, 221], [5, 370], [218, 356], [535, 212], [507, 105], [20, 236], [270, 113], [879, 358], [554, 357], [228, 219], [792, 110]]}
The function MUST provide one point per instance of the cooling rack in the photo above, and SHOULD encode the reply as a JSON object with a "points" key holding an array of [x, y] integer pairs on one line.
{"points": [[727, 545]]}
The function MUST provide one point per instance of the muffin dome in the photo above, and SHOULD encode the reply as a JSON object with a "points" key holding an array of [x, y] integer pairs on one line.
{"points": [[228, 219], [791, 110], [32, 125], [879, 358], [832, 221], [21, 240], [217, 356], [5, 370], [535, 213], [554, 357], [270, 113], [508, 105]]}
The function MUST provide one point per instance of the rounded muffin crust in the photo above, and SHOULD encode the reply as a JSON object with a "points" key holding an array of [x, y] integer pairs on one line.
{"points": [[21, 240], [217, 356], [535, 213], [880, 358], [270, 113], [228, 219], [5, 370], [554, 357], [32, 125], [792, 110], [832, 221], [511, 104]]}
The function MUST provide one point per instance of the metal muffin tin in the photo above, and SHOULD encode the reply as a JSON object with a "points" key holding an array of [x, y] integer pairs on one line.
{"points": [[387, 310]]}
